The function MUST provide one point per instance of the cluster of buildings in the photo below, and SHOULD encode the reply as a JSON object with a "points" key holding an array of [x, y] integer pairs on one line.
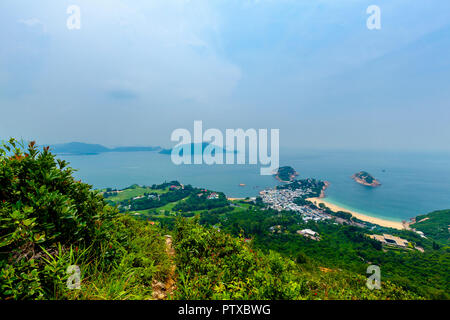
{"points": [[148, 196], [210, 196], [283, 199], [391, 240], [388, 239], [308, 233]]}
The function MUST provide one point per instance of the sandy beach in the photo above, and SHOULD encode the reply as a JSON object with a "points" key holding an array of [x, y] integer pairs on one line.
{"points": [[360, 216]]}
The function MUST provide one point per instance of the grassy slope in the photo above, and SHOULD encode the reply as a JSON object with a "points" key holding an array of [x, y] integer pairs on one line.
{"points": [[436, 226]]}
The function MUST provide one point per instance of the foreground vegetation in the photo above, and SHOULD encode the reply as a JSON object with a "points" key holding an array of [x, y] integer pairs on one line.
{"points": [[49, 222]]}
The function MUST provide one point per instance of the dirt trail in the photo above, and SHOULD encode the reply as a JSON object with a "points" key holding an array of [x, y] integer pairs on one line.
{"points": [[162, 290]]}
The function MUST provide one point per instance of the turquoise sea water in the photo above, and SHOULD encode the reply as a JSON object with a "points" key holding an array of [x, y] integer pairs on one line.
{"points": [[412, 183]]}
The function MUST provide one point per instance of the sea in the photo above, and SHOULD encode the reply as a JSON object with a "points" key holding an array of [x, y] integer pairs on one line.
{"points": [[412, 183]]}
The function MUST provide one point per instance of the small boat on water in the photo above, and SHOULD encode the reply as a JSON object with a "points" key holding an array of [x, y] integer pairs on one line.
{"points": [[242, 185]]}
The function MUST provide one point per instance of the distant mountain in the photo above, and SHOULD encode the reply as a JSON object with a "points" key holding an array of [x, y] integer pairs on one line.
{"points": [[79, 148], [192, 146]]}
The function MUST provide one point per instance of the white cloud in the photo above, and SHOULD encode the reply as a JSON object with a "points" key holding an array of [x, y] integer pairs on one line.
{"points": [[33, 22]]}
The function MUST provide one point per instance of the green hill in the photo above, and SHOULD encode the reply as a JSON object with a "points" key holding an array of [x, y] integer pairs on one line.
{"points": [[435, 225]]}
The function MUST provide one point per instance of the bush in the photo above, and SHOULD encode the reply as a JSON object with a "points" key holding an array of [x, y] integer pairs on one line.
{"points": [[42, 204], [49, 221]]}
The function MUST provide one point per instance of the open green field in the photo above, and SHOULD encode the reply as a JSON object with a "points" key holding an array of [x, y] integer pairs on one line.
{"points": [[134, 192]]}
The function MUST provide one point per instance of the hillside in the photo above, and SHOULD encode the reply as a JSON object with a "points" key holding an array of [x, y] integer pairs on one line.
{"points": [[435, 225], [211, 264]]}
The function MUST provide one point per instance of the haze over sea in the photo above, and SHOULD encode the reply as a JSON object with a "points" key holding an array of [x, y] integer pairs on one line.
{"points": [[412, 183]]}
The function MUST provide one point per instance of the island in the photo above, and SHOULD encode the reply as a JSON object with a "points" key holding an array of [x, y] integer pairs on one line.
{"points": [[285, 174], [200, 148], [365, 179]]}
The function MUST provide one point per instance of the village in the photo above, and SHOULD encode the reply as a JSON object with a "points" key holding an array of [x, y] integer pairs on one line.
{"points": [[284, 199]]}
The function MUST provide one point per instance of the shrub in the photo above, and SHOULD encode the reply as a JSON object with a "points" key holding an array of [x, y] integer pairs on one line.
{"points": [[49, 221]]}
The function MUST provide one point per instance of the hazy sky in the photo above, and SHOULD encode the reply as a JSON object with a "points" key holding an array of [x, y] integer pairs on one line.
{"points": [[137, 70]]}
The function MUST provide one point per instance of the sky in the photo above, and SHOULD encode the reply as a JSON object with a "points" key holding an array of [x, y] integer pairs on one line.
{"points": [[137, 70]]}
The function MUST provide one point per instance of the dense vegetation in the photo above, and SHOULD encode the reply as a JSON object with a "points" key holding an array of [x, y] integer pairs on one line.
{"points": [[49, 221], [200, 201], [214, 265], [346, 247], [436, 225]]}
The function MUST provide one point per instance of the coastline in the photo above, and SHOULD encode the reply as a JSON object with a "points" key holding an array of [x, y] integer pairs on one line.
{"points": [[360, 216]]}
